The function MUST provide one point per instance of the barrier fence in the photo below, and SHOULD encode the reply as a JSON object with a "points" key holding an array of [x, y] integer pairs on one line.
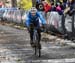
{"points": [[55, 22]]}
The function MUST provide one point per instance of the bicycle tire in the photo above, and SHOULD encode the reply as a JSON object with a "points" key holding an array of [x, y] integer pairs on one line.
{"points": [[36, 40], [39, 52], [35, 50]]}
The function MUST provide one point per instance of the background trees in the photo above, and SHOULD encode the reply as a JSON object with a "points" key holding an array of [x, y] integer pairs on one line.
{"points": [[14, 3], [25, 4]]}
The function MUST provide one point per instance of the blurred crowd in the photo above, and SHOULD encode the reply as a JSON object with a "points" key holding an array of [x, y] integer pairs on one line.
{"points": [[56, 5]]}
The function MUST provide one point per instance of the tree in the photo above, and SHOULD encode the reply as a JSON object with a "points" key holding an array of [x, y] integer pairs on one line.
{"points": [[25, 4], [14, 3], [33, 3]]}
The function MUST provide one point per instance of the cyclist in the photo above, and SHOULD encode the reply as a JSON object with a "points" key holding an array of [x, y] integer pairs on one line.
{"points": [[33, 17]]}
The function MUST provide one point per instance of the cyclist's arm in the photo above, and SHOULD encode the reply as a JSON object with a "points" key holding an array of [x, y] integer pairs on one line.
{"points": [[41, 18], [27, 21]]}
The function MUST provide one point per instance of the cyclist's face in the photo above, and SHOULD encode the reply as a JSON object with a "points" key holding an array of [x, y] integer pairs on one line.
{"points": [[33, 14]]}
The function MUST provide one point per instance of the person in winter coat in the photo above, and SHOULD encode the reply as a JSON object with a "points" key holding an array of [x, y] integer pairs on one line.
{"points": [[58, 9], [47, 7], [53, 7], [70, 7]]}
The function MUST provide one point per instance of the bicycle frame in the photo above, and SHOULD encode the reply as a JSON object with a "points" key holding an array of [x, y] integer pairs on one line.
{"points": [[34, 35], [36, 41]]}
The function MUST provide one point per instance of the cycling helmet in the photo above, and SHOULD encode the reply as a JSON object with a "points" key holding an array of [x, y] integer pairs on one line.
{"points": [[33, 10]]}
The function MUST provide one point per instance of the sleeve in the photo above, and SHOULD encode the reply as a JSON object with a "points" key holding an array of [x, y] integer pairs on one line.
{"points": [[27, 22], [43, 21]]}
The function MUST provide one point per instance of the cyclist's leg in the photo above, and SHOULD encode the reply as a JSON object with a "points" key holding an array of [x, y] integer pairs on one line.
{"points": [[39, 34], [31, 36]]}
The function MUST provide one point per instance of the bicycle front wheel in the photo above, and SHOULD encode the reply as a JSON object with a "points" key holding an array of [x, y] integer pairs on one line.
{"points": [[37, 44]]}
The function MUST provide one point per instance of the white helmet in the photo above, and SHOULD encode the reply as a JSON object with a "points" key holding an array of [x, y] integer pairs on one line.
{"points": [[33, 10]]}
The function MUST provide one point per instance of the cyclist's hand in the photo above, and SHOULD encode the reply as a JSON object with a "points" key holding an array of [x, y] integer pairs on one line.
{"points": [[28, 28], [43, 26]]}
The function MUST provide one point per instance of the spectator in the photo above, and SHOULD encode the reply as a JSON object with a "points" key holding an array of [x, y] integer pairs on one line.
{"points": [[71, 5], [38, 1], [40, 6], [64, 1], [53, 7], [64, 5], [47, 7], [58, 9]]}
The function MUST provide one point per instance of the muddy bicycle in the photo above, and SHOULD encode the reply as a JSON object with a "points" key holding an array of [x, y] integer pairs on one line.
{"points": [[36, 40]]}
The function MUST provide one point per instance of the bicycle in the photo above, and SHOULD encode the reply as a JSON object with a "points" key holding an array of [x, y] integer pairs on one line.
{"points": [[36, 42]]}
